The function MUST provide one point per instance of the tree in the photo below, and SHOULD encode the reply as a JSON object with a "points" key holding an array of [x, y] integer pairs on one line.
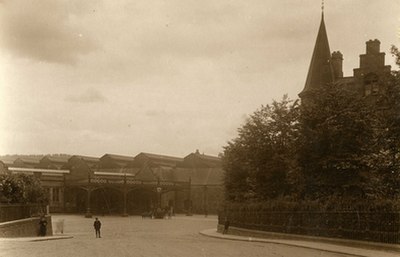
{"points": [[337, 144], [336, 139], [21, 188], [257, 163], [386, 158]]}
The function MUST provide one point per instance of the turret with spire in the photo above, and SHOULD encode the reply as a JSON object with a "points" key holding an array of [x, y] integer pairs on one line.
{"points": [[326, 68], [320, 72]]}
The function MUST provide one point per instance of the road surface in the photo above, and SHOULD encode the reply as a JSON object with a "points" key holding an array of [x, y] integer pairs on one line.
{"points": [[136, 237]]}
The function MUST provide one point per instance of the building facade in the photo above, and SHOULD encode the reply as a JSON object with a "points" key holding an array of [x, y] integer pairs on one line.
{"points": [[326, 68], [127, 185]]}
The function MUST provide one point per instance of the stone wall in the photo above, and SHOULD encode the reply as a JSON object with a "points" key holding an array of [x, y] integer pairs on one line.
{"points": [[24, 228], [9, 212]]}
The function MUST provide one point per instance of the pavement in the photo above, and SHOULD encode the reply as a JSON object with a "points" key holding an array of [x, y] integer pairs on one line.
{"points": [[363, 249], [35, 239]]}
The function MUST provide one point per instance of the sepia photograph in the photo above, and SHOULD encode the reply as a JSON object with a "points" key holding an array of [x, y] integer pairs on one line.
{"points": [[260, 128]]}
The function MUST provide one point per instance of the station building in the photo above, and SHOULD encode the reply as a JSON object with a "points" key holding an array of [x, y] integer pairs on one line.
{"points": [[127, 185]]}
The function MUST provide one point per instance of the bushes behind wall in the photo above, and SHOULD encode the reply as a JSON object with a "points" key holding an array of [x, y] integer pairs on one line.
{"points": [[370, 221]]}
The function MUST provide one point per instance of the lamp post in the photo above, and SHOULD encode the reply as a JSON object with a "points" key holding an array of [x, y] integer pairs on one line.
{"points": [[125, 192], [88, 213], [159, 189], [189, 210]]}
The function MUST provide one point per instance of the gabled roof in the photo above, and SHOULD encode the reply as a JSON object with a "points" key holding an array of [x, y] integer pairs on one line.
{"points": [[85, 158], [161, 158], [156, 160], [321, 70], [28, 160], [57, 159], [209, 158], [8, 160], [205, 157], [201, 160], [116, 157], [145, 174]]}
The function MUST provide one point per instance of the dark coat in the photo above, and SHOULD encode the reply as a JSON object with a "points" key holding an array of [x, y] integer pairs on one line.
{"points": [[97, 225]]}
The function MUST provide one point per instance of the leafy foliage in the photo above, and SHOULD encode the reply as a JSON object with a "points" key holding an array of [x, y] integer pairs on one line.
{"points": [[338, 144], [336, 138], [258, 161], [21, 188], [387, 149]]}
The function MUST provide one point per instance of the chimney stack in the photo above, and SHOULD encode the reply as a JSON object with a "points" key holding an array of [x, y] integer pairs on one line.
{"points": [[373, 46], [337, 64]]}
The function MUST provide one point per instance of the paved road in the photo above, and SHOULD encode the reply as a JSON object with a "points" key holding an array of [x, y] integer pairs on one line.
{"points": [[134, 236]]}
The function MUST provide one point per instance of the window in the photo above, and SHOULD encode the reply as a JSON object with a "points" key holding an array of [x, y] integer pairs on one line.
{"points": [[56, 195], [371, 84]]}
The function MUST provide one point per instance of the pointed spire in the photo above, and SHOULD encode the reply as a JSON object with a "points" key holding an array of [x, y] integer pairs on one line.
{"points": [[320, 71]]}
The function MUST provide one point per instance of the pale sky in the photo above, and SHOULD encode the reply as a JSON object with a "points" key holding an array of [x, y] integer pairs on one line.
{"points": [[167, 77]]}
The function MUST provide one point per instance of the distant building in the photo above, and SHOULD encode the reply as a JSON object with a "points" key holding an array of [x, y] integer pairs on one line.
{"points": [[53, 162], [8, 160], [78, 160], [113, 161], [3, 168], [206, 177], [126, 184], [27, 162]]}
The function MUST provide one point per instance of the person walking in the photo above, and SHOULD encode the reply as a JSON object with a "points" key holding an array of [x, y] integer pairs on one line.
{"points": [[97, 226]]}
